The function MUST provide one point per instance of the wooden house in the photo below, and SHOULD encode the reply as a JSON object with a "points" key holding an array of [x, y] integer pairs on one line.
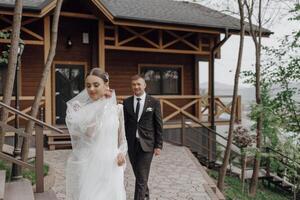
{"points": [[162, 39]]}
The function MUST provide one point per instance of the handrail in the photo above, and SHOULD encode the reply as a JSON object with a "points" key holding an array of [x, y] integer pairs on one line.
{"points": [[23, 98], [39, 145], [180, 96], [277, 152], [211, 130], [30, 118]]}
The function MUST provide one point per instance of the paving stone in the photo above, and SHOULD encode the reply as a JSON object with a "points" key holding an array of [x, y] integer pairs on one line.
{"points": [[173, 175]]}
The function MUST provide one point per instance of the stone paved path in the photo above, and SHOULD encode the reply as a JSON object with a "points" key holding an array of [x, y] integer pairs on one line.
{"points": [[174, 175]]}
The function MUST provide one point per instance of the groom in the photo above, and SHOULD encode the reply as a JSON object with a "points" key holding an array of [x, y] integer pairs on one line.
{"points": [[143, 126]]}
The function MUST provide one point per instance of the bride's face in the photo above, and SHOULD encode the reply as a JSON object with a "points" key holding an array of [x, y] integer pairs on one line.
{"points": [[95, 87]]}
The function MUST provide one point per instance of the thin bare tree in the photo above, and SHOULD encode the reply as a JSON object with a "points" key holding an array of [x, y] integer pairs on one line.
{"points": [[46, 71], [256, 34], [223, 169], [12, 62]]}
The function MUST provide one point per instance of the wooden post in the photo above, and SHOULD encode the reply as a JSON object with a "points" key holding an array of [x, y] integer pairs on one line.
{"points": [[196, 67], [268, 167], [208, 147], [182, 130], [101, 40], [162, 107], [48, 88], [39, 161], [200, 108]]}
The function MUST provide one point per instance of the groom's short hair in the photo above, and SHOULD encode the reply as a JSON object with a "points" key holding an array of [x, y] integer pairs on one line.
{"points": [[136, 77]]}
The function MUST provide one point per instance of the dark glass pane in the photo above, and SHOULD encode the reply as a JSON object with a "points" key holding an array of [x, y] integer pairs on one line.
{"points": [[69, 82], [170, 81], [153, 80], [64, 72]]}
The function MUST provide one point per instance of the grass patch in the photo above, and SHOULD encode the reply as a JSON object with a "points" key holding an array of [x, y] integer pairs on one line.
{"points": [[28, 174], [7, 167], [233, 190]]}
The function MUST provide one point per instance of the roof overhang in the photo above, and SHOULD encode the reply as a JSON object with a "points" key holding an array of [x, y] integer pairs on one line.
{"points": [[46, 7]]}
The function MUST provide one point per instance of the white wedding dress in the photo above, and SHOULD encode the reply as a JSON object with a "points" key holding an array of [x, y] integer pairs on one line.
{"points": [[98, 135]]}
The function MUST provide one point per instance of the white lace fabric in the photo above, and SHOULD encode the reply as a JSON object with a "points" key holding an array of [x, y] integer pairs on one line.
{"points": [[98, 136]]}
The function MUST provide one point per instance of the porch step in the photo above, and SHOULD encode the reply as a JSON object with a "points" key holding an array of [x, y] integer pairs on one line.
{"points": [[49, 195], [18, 190], [58, 141], [2, 183]]}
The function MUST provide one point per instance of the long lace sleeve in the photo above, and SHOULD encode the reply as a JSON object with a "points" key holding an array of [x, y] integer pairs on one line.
{"points": [[122, 142]]}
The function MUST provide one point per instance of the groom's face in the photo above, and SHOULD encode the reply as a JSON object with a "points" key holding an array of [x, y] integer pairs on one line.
{"points": [[138, 86]]}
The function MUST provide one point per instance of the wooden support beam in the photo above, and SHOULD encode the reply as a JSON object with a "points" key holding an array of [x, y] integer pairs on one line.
{"points": [[101, 45], [177, 40], [141, 35], [183, 40], [27, 42], [144, 49], [28, 21], [135, 36], [160, 39], [78, 15], [26, 30], [48, 88], [116, 36]]}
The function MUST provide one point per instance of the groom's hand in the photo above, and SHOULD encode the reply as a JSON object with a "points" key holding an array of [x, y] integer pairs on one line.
{"points": [[120, 159], [157, 151]]}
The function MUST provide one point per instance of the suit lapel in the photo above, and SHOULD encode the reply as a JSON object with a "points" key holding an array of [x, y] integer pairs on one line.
{"points": [[146, 105], [130, 106]]}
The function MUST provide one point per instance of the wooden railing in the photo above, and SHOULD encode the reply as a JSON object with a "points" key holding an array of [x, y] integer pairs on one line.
{"points": [[25, 110], [39, 144], [208, 155], [211, 137], [197, 107]]}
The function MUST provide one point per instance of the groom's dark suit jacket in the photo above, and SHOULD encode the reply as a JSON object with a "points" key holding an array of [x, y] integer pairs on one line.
{"points": [[150, 124]]}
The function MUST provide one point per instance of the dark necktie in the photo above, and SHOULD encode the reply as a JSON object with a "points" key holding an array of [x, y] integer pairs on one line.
{"points": [[137, 108]]}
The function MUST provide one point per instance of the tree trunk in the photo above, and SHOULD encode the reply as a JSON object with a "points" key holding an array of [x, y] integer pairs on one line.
{"points": [[223, 169], [12, 62], [46, 71], [254, 179], [257, 41], [244, 164]]}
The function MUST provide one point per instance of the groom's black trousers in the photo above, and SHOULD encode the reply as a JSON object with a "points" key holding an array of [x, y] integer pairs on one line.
{"points": [[141, 162]]}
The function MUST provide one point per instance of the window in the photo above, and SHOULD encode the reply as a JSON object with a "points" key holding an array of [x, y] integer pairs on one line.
{"points": [[162, 80]]}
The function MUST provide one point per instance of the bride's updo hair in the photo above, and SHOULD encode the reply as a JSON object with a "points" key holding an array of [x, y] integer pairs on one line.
{"points": [[100, 73]]}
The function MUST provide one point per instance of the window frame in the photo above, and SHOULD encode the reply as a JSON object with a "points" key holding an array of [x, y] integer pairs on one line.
{"points": [[161, 66]]}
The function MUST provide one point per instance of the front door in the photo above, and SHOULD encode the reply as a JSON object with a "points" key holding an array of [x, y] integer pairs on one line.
{"points": [[69, 81]]}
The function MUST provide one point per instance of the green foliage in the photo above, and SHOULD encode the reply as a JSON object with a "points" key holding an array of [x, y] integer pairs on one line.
{"points": [[5, 52], [7, 167], [280, 107], [233, 188], [29, 174]]}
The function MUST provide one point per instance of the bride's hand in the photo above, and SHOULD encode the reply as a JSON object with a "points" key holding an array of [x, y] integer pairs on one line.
{"points": [[108, 92], [120, 159]]}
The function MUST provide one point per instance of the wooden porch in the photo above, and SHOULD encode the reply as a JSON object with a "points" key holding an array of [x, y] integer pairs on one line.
{"points": [[194, 107]]}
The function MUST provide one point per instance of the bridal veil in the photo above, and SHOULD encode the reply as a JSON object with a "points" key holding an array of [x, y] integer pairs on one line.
{"points": [[97, 132]]}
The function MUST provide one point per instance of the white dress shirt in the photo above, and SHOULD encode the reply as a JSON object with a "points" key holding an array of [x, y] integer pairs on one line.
{"points": [[142, 103]]}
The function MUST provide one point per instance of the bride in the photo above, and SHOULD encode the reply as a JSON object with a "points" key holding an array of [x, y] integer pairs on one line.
{"points": [[95, 168]]}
